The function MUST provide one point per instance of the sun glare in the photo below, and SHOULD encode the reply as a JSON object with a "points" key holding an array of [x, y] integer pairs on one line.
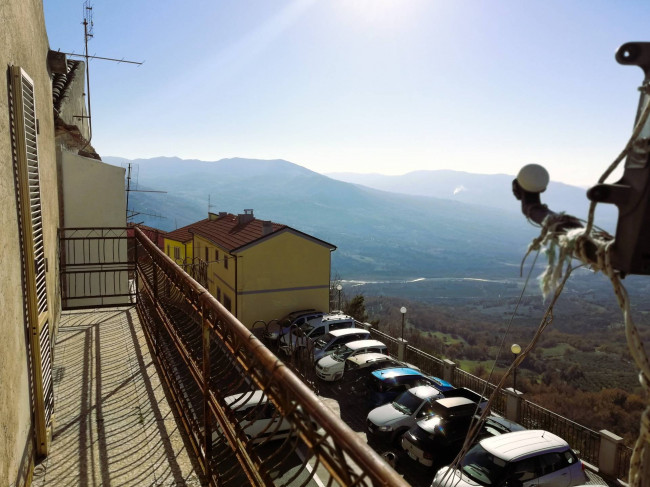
{"points": [[380, 12]]}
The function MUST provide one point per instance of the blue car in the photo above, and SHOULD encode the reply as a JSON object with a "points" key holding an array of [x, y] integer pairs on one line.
{"points": [[386, 384]]}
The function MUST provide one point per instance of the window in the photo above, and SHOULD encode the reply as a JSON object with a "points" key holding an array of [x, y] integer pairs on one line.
{"points": [[168, 251], [177, 253], [227, 303], [225, 262], [216, 254], [218, 294], [206, 254]]}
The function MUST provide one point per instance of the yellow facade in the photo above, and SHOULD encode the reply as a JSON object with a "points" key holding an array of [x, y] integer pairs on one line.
{"points": [[178, 251], [270, 278]]}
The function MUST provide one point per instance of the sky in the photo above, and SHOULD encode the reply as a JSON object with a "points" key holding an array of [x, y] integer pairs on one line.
{"points": [[366, 86]]}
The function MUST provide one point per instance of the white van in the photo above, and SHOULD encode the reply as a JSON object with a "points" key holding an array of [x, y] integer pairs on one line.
{"points": [[331, 367], [305, 334]]}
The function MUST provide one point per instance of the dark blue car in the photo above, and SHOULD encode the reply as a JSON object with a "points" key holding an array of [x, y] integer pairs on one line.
{"points": [[386, 384]]}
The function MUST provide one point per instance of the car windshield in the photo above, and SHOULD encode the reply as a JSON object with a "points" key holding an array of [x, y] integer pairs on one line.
{"points": [[342, 353], [483, 467], [305, 328], [407, 403], [322, 341]]}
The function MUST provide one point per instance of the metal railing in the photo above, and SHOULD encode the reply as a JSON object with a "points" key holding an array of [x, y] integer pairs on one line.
{"points": [[96, 267], [426, 363], [584, 441], [483, 387], [623, 457], [214, 365]]}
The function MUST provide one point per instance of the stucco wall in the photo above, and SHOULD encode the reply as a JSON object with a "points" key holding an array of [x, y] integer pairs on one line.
{"points": [[94, 196], [282, 274], [93, 192], [23, 42]]}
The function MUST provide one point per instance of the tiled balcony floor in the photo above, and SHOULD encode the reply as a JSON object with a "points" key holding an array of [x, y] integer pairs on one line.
{"points": [[113, 424]]}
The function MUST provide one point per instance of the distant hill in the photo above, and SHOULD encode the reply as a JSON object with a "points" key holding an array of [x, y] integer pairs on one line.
{"points": [[485, 189], [379, 234]]}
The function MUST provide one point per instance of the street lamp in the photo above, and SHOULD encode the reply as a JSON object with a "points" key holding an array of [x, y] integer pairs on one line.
{"points": [[516, 350], [339, 288], [403, 311]]}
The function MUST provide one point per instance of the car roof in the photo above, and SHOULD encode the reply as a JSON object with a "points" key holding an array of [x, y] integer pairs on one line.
{"points": [[522, 444], [395, 372], [357, 344], [455, 402], [363, 358], [504, 423], [245, 399], [424, 392], [348, 331], [337, 317]]}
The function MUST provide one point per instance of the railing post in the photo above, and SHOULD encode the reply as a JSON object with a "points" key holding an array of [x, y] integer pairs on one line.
{"points": [[513, 404], [607, 455], [207, 420], [448, 369], [401, 348]]}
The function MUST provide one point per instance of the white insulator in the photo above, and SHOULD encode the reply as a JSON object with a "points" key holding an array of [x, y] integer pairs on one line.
{"points": [[533, 178]]}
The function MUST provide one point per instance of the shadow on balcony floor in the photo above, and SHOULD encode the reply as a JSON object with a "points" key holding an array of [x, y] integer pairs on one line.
{"points": [[113, 424]]}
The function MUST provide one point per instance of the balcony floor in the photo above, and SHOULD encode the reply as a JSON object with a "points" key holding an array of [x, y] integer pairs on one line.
{"points": [[113, 423]]}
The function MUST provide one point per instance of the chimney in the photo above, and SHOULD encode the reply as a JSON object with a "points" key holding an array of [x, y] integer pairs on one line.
{"points": [[245, 217], [267, 227]]}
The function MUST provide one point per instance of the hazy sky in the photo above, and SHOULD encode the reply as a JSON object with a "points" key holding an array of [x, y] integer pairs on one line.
{"points": [[387, 86]]}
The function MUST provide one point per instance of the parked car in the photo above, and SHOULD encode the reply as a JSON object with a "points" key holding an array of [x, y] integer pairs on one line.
{"points": [[440, 437], [277, 329], [522, 459], [305, 334], [386, 384], [332, 341], [357, 369], [258, 417], [389, 422], [331, 367], [496, 425]]}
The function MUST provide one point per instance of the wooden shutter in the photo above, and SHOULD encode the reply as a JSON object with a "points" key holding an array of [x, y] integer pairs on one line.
{"points": [[25, 140]]}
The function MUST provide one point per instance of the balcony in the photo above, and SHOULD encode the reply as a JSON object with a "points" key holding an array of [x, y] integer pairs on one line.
{"points": [[141, 390]]}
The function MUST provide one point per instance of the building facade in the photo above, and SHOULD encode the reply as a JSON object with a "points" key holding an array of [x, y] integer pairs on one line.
{"points": [[42, 191], [258, 270]]}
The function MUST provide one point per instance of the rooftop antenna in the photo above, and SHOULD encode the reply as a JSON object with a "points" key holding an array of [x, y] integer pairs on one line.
{"points": [[89, 34], [209, 205], [132, 213]]}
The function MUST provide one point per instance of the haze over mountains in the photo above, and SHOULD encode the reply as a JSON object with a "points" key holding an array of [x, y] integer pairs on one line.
{"points": [[478, 232]]}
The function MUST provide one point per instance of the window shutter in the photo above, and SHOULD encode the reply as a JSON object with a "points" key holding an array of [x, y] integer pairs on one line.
{"points": [[24, 127]]}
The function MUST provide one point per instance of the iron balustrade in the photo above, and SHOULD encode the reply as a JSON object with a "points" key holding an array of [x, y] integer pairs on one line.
{"points": [[585, 442], [96, 267], [208, 358], [623, 457], [427, 363], [483, 387]]}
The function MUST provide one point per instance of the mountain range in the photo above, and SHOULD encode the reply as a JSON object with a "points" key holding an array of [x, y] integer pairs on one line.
{"points": [[380, 234]]}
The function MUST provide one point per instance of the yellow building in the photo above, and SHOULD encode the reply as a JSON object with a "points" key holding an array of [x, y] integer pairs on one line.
{"points": [[259, 270]]}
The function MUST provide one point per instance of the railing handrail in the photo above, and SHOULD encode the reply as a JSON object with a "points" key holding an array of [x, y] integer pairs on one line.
{"points": [[273, 371]]}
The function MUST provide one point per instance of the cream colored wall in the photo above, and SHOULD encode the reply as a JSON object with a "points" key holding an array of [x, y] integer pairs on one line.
{"points": [[93, 192], [23, 42], [282, 274], [94, 197]]}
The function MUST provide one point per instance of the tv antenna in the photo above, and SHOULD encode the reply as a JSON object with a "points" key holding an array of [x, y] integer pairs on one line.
{"points": [[89, 34], [209, 205], [132, 213]]}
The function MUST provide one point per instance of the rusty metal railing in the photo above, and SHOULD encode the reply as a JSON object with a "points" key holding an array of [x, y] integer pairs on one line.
{"points": [[250, 419]]}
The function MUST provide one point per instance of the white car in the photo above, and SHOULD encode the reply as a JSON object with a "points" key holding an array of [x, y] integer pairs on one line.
{"points": [[258, 417], [331, 367], [304, 335], [524, 458]]}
